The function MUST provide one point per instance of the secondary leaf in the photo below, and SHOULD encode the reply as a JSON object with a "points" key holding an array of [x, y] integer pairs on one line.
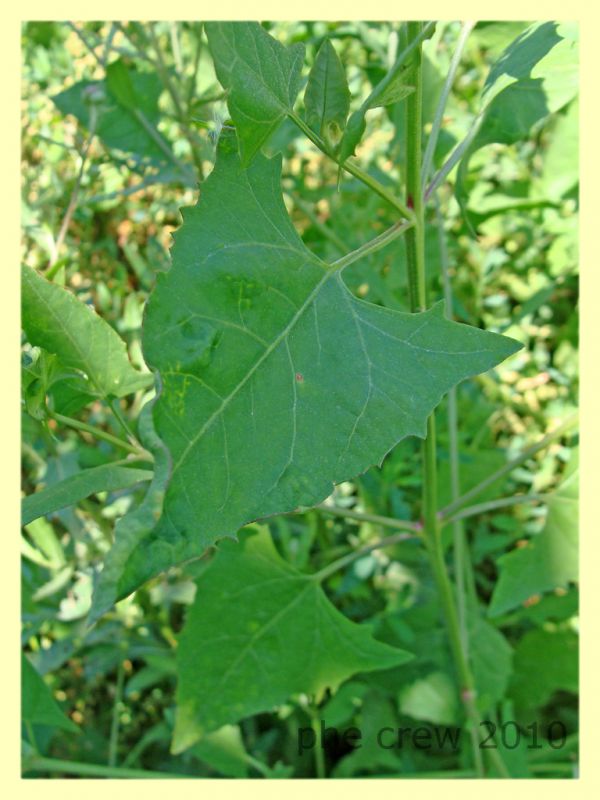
{"points": [[258, 632], [261, 75], [56, 320], [38, 707], [107, 477], [327, 97], [277, 381], [550, 559], [534, 77]]}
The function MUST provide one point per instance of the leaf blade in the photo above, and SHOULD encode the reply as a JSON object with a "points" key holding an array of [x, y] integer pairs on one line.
{"points": [[301, 641], [327, 96], [264, 89], [263, 350]]}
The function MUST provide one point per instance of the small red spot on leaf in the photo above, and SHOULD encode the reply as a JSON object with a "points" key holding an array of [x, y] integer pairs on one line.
{"points": [[299, 377]]}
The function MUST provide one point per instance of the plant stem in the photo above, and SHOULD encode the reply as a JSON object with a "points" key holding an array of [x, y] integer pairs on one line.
{"points": [[466, 29], [453, 159], [76, 188], [415, 238], [510, 465], [399, 65], [371, 247], [54, 765], [418, 298], [113, 743], [492, 505], [462, 559], [100, 434], [352, 168], [342, 562], [362, 516], [318, 748], [165, 77]]}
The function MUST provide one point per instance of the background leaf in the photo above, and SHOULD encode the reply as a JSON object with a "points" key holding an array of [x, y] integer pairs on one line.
{"points": [[38, 706], [534, 77], [56, 320], [549, 560], [119, 101]]}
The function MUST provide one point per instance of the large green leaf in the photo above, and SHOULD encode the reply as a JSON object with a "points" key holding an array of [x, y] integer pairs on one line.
{"points": [[258, 632], [534, 77], [550, 559], [327, 97], [261, 75], [56, 320], [277, 381], [38, 707], [106, 477]]}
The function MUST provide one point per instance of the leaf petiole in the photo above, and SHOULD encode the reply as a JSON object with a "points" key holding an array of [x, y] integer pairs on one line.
{"points": [[352, 168], [371, 247], [560, 430], [100, 434]]}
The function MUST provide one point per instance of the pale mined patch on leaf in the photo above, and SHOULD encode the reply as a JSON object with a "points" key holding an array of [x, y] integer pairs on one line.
{"points": [[258, 632]]}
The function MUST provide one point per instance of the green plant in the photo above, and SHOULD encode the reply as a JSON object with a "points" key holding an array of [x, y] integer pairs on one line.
{"points": [[273, 379]]}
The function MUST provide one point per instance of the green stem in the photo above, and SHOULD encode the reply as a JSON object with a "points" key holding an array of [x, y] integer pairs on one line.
{"points": [[114, 727], [399, 65], [436, 126], [561, 429], [415, 239], [165, 77], [318, 748], [454, 157], [461, 555], [371, 247], [100, 434], [492, 505], [352, 168], [54, 765], [418, 299], [73, 200], [363, 516], [342, 562]]}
